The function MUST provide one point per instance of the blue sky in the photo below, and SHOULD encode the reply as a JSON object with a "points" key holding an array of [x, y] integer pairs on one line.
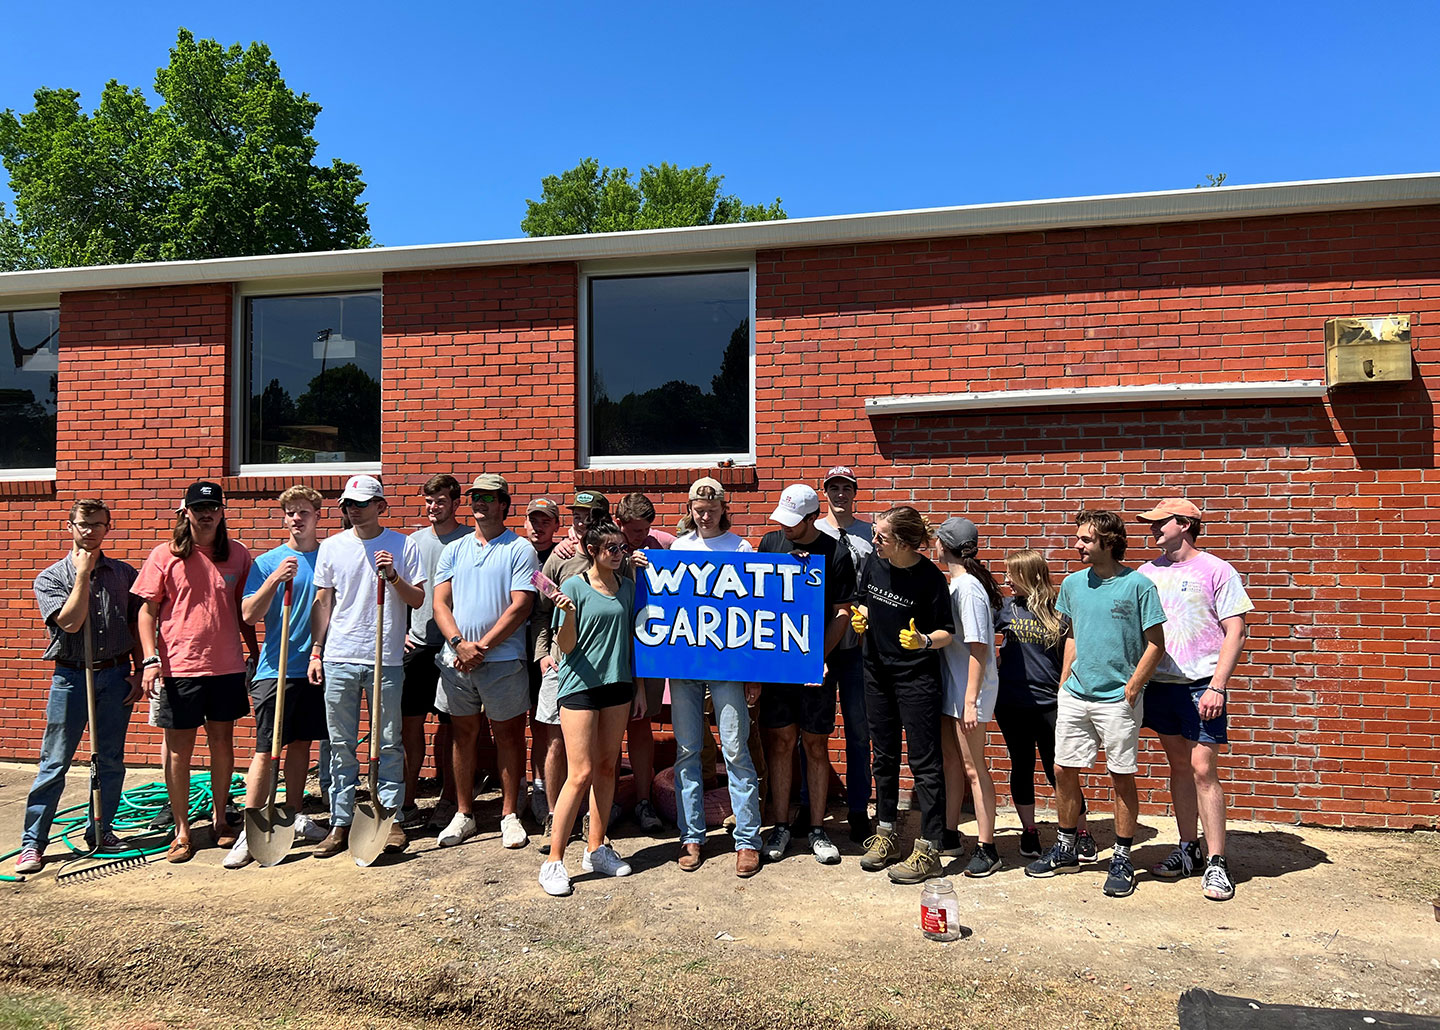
{"points": [[456, 114]]}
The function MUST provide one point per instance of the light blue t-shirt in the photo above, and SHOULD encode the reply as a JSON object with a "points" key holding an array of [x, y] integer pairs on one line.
{"points": [[1109, 619], [302, 599], [481, 577]]}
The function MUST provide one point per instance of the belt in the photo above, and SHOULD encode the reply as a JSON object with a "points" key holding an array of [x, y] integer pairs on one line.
{"points": [[108, 663]]}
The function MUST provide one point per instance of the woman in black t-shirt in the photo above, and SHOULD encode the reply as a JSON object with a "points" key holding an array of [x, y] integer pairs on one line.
{"points": [[904, 618], [1029, 667]]}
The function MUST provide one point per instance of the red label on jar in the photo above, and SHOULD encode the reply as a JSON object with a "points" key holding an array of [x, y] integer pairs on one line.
{"points": [[932, 918]]}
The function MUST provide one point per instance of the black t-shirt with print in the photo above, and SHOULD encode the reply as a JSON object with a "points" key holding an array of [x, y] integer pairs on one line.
{"points": [[893, 596], [1029, 668], [839, 566]]}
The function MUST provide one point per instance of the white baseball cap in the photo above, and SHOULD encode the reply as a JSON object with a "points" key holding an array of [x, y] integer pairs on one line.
{"points": [[797, 501], [362, 488]]}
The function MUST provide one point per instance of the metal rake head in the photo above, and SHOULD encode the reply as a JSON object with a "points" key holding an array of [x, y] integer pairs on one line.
{"points": [[93, 867]]}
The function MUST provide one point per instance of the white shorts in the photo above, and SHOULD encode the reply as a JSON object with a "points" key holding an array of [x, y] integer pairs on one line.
{"points": [[953, 703], [547, 708], [1083, 727]]}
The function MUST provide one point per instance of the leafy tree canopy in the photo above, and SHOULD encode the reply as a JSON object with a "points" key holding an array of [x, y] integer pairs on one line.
{"points": [[589, 198], [223, 167]]}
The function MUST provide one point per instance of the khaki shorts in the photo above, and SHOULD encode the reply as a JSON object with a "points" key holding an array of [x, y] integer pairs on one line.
{"points": [[547, 705], [1083, 727]]}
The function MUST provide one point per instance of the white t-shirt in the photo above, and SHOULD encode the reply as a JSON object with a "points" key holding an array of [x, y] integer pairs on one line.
{"points": [[974, 624], [347, 564], [727, 541]]}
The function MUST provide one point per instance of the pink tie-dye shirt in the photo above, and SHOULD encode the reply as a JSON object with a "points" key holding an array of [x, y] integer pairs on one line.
{"points": [[1196, 595]]}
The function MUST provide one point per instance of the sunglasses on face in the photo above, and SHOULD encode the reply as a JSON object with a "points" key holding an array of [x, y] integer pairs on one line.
{"points": [[198, 508], [476, 497], [613, 549], [357, 504]]}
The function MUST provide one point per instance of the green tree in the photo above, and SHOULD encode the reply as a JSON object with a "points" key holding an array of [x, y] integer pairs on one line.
{"points": [[223, 167], [588, 198]]}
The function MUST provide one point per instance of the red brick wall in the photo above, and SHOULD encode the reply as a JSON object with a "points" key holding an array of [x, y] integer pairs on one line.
{"points": [[1318, 504]]}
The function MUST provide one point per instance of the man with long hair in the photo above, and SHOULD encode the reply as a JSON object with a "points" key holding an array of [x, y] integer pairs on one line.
{"points": [[190, 631]]}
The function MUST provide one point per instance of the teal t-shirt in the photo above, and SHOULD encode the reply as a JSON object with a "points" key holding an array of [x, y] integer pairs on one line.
{"points": [[1109, 618], [303, 597], [604, 636]]}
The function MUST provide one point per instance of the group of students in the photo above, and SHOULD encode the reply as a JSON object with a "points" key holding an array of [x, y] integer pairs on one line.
{"points": [[487, 629]]}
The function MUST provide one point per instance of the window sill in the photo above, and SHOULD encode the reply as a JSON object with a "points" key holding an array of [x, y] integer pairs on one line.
{"points": [[732, 477], [26, 483]]}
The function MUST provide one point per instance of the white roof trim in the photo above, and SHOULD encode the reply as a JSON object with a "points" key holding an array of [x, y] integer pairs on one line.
{"points": [[1267, 199], [1306, 389]]}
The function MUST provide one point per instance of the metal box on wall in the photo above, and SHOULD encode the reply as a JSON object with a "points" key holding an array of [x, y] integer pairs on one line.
{"points": [[1367, 350]]}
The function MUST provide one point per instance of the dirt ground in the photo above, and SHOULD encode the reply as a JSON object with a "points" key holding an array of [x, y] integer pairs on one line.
{"points": [[1325, 918]]}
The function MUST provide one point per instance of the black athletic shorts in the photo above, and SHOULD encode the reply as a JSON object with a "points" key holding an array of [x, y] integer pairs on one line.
{"points": [[611, 695], [793, 704], [304, 712], [188, 702], [422, 676]]}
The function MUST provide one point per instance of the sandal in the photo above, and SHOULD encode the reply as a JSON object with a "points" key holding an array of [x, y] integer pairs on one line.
{"points": [[180, 850]]}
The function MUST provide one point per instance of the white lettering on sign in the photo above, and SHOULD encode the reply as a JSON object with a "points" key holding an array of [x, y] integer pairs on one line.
{"points": [[710, 580], [742, 629]]}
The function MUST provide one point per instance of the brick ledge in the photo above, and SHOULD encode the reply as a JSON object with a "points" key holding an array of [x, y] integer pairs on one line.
{"points": [[733, 477]]}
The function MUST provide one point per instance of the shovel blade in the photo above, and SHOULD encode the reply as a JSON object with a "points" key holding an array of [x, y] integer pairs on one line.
{"points": [[270, 839], [370, 831]]}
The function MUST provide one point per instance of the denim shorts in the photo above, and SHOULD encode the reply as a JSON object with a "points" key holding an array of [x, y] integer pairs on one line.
{"points": [[1173, 709]]}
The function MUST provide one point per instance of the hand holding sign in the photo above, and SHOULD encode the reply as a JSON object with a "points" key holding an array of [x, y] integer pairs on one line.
{"points": [[912, 639]]}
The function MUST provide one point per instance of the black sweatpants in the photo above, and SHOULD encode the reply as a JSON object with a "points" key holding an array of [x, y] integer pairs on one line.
{"points": [[914, 706], [1027, 729]]}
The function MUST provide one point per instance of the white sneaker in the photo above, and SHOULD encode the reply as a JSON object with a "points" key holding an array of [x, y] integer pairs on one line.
{"points": [[604, 861], [461, 829], [239, 856], [539, 803], [554, 879], [512, 834], [309, 830]]}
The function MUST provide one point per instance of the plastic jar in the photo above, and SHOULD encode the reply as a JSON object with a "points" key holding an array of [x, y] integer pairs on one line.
{"points": [[940, 911]]}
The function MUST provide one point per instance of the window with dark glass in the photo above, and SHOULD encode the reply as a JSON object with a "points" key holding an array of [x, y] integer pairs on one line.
{"points": [[312, 377], [669, 364], [27, 389]]}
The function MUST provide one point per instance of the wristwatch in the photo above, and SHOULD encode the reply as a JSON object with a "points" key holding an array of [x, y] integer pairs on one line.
{"points": [[456, 640], [154, 659]]}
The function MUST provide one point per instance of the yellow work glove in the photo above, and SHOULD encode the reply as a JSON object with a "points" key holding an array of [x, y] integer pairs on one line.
{"points": [[858, 622], [912, 639]]}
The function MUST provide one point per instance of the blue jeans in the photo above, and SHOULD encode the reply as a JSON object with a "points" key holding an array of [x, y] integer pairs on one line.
{"points": [[847, 670], [687, 715], [65, 716], [344, 683]]}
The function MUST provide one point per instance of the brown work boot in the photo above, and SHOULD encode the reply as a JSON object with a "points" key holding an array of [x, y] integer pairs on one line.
{"points": [[879, 850], [747, 862], [333, 844], [923, 863], [396, 841], [689, 857]]}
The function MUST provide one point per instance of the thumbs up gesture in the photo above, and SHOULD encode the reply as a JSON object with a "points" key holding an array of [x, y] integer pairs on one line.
{"points": [[859, 621], [912, 639]]}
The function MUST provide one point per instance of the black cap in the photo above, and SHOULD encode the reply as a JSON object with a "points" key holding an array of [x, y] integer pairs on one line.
{"points": [[203, 492]]}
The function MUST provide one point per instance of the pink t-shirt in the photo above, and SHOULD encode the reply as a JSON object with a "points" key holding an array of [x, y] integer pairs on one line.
{"points": [[1196, 595], [199, 609]]}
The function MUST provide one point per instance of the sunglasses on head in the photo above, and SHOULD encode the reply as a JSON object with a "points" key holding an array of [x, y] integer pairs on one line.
{"points": [[485, 497]]}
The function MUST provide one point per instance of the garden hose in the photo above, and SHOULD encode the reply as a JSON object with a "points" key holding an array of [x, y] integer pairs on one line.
{"points": [[138, 806]]}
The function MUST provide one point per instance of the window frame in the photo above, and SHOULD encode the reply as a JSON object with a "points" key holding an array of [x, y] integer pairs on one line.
{"points": [[641, 269], [240, 373], [33, 303]]}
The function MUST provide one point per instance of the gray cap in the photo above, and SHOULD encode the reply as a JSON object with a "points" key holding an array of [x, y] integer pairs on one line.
{"points": [[955, 533]]}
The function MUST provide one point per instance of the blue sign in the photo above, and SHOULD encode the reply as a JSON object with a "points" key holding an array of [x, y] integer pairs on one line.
{"points": [[738, 615]]}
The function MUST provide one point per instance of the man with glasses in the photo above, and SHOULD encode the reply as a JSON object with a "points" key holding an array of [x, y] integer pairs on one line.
{"points": [[1206, 604], [342, 656], [86, 591], [483, 597], [422, 647], [845, 668], [190, 631]]}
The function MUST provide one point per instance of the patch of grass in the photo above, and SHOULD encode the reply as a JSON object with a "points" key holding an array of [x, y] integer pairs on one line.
{"points": [[26, 1013]]}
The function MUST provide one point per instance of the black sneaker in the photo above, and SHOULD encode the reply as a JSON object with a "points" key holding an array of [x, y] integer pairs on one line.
{"points": [[862, 828], [800, 826], [1085, 847], [1029, 843], [1185, 860], [1121, 881], [1058, 857], [983, 862], [1217, 882], [952, 844]]}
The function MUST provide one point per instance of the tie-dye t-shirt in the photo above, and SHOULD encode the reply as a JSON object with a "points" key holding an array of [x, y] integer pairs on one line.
{"points": [[1196, 595]]}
